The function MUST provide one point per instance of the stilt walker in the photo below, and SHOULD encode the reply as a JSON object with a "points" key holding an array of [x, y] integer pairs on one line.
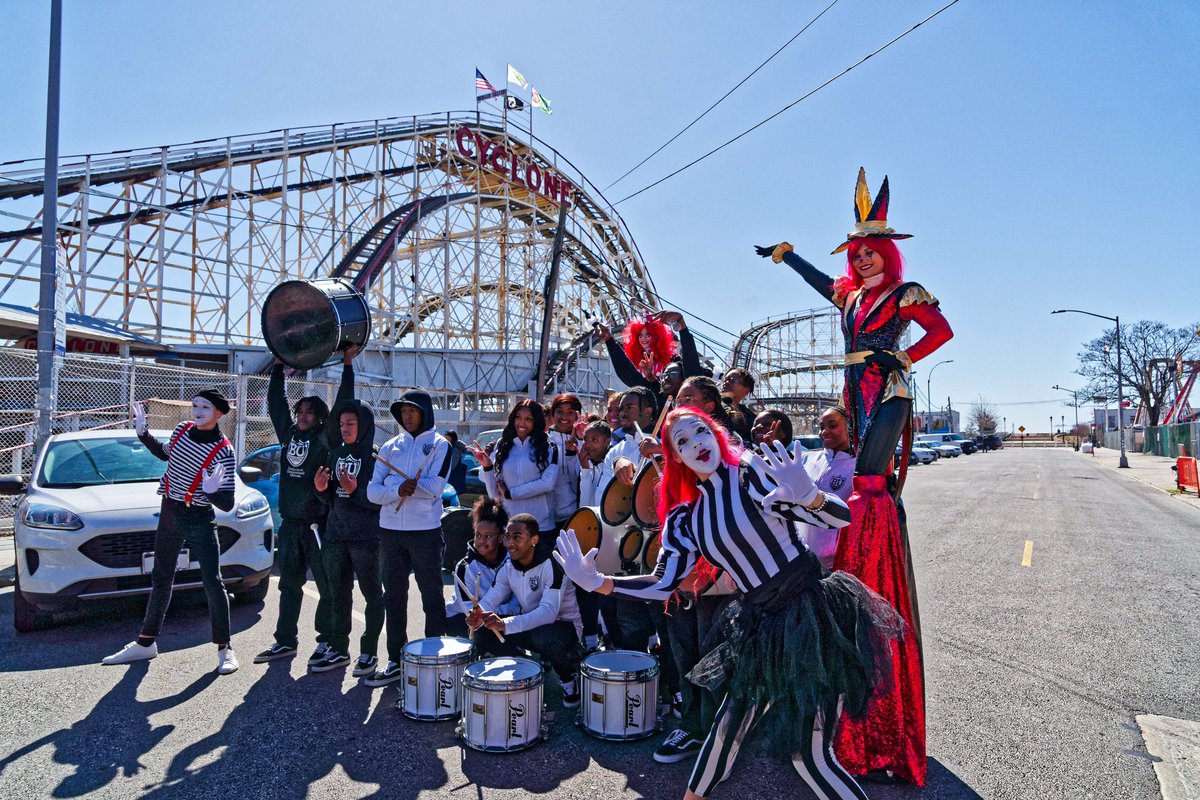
{"points": [[877, 306]]}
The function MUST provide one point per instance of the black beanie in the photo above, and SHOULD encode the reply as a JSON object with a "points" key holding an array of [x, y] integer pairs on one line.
{"points": [[216, 398]]}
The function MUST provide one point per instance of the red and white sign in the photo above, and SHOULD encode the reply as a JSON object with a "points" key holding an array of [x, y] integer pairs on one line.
{"points": [[518, 170]]}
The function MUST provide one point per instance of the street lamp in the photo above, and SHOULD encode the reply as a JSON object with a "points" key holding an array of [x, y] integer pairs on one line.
{"points": [[928, 394], [1124, 462], [1074, 401]]}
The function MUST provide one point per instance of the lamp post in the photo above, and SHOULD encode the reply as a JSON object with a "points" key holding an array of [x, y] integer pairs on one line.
{"points": [[1074, 401], [928, 392], [1124, 462]]}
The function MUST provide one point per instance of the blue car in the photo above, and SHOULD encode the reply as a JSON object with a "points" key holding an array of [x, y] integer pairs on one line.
{"points": [[266, 461]]}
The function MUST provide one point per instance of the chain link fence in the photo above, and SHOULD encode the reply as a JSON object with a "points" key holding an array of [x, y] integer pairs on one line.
{"points": [[1172, 440]]}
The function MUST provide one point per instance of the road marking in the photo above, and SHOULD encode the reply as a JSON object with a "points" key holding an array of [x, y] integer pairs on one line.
{"points": [[313, 594], [1176, 744], [1027, 559]]}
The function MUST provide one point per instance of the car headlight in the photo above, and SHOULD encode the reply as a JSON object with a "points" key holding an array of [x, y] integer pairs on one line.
{"points": [[252, 506], [40, 515]]}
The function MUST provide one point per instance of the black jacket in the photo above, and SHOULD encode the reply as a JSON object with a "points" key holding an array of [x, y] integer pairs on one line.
{"points": [[301, 452], [352, 518]]}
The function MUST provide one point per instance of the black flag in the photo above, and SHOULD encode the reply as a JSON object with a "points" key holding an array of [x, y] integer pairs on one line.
{"points": [[514, 103]]}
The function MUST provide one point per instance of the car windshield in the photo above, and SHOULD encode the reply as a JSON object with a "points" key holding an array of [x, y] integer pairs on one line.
{"points": [[72, 463]]}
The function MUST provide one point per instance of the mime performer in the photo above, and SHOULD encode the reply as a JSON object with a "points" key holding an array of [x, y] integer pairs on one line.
{"points": [[877, 306]]}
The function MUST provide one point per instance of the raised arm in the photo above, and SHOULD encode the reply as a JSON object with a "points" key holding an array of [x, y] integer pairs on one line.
{"points": [[822, 283], [277, 407]]}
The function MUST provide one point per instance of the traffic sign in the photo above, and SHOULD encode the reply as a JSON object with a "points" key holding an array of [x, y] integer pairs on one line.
{"points": [[1021, 428]]}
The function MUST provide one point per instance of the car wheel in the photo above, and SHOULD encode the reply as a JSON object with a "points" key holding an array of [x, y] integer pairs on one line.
{"points": [[27, 617], [255, 595]]}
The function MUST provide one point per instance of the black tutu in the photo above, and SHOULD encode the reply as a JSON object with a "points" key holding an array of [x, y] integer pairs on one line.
{"points": [[799, 643]]}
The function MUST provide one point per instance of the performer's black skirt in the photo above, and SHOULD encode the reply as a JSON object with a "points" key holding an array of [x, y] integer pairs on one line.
{"points": [[799, 643]]}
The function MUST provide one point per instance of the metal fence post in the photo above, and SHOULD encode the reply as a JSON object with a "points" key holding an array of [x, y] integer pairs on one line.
{"points": [[239, 445]]}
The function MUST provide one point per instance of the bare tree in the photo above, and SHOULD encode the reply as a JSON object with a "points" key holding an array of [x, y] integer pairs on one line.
{"points": [[1141, 343], [983, 417]]}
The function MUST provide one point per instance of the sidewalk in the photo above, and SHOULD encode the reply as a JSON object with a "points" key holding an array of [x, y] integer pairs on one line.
{"points": [[1151, 470]]}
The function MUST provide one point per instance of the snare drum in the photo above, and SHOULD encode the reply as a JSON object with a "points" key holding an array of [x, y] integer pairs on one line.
{"points": [[620, 695], [432, 671], [502, 704]]}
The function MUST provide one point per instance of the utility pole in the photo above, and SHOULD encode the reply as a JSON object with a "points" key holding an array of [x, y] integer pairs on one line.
{"points": [[548, 302], [47, 344]]}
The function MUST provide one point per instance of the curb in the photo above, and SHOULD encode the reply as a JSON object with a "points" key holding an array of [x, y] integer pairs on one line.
{"points": [[1174, 495]]}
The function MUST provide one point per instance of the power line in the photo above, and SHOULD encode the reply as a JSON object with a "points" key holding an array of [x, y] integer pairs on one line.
{"points": [[789, 105], [714, 105]]}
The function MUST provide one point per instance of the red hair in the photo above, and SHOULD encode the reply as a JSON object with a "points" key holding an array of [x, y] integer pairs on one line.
{"points": [[893, 263], [662, 341], [679, 484]]}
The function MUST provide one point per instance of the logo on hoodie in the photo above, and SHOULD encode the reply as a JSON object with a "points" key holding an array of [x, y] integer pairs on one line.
{"points": [[297, 452], [427, 448], [837, 482], [534, 582], [350, 464]]}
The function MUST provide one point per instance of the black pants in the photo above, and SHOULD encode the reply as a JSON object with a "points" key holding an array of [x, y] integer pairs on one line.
{"points": [[299, 554], [557, 643], [636, 623], [457, 626], [688, 628], [419, 553], [877, 451], [195, 526], [345, 561]]}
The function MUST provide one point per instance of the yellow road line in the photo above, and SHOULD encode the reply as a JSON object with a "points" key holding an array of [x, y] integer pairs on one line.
{"points": [[1027, 558]]}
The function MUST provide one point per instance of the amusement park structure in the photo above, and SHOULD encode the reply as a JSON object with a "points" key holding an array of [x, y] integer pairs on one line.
{"points": [[445, 222]]}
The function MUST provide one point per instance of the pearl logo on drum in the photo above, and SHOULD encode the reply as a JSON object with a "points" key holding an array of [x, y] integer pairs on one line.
{"points": [[632, 703], [516, 711], [445, 686]]}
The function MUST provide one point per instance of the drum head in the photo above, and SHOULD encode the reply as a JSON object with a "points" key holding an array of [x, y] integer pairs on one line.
{"points": [[631, 544], [650, 554], [503, 671], [586, 525], [305, 322], [438, 647], [619, 665], [617, 503], [645, 497]]}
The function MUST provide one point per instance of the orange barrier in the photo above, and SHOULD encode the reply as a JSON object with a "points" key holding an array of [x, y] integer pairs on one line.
{"points": [[1186, 476]]}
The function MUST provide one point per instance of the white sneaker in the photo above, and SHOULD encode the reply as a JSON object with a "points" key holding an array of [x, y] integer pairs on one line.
{"points": [[226, 661], [130, 653]]}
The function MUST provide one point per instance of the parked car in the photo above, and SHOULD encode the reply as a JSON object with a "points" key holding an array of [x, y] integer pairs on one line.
{"points": [[84, 528], [266, 461], [968, 446], [809, 442], [943, 443], [993, 441], [919, 455]]}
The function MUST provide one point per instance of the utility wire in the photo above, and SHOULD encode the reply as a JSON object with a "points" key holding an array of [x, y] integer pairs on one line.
{"points": [[714, 105], [789, 105]]}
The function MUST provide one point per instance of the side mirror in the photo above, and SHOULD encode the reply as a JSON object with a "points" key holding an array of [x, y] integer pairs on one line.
{"points": [[11, 484], [250, 474]]}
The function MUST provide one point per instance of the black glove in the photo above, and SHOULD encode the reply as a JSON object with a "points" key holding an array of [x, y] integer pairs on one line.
{"points": [[765, 252], [884, 359]]}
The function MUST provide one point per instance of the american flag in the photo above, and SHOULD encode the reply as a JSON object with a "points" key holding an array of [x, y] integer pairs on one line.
{"points": [[481, 83]]}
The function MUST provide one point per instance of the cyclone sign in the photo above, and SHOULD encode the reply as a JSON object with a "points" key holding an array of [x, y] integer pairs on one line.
{"points": [[515, 169]]}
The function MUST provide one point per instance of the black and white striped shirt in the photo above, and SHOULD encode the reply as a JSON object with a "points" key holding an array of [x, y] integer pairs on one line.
{"points": [[186, 450], [731, 527]]}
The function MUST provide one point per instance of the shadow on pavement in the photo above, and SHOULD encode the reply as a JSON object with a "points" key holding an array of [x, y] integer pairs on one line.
{"points": [[111, 740], [89, 635]]}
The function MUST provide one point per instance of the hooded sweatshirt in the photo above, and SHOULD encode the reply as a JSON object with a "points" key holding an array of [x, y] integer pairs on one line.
{"points": [[352, 518], [301, 451], [472, 568], [426, 452], [543, 594]]}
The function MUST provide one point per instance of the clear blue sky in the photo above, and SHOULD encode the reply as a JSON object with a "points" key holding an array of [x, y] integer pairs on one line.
{"points": [[1043, 154]]}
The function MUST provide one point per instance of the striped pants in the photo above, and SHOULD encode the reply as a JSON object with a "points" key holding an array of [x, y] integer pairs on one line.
{"points": [[814, 760]]}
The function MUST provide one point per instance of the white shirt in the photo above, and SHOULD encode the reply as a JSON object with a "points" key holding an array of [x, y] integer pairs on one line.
{"points": [[832, 472]]}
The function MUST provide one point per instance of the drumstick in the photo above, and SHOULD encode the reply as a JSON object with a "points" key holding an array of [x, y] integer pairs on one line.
{"points": [[400, 505], [474, 600], [396, 470], [667, 406]]}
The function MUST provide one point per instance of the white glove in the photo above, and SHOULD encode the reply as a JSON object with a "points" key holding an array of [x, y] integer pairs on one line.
{"points": [[795, 484], [139, 417], [579, 568], [211, 483]]}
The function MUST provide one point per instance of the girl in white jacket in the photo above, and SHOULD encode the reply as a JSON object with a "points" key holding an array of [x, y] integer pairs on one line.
{"points": [[524, 472]]}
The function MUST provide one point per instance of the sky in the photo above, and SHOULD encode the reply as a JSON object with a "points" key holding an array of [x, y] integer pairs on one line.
{"points": [[1043, 155]]}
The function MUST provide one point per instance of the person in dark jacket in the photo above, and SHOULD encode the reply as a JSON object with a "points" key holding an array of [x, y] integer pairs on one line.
{"points": [[199, 476], [351, 542], [303, 449], [688, 358], [458, 467]]}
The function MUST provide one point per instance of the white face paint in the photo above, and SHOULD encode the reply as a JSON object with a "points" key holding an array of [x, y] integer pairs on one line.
{"points": [[696, 445], [203, 412]]}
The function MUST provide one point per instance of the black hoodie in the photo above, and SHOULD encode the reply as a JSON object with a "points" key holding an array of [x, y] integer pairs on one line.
{"points": [[352, 518], [301, 452]]}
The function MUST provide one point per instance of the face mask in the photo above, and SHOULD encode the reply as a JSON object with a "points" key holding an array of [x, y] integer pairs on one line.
{"points": [[696, 445], [202, 411]]}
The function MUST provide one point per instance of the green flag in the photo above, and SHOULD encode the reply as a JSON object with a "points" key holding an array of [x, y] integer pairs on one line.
{"points": [[540, 101]]}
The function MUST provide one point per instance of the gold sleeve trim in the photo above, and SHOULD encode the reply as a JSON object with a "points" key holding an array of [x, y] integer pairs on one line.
{"points": [[777, 253], [917, 295]]}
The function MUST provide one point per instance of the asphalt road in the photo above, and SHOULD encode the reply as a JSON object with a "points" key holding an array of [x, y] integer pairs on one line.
{"points": [[1035, 674]]}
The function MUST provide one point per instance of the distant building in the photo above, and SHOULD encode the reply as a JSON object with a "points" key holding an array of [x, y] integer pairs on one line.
{"points": [[1105, 419], [939, 422]]}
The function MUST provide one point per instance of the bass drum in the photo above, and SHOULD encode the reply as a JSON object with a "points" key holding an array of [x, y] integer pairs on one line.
{"points": [[456, 533], [306, 322], [617, 503], [591, 532], [645, 497]]}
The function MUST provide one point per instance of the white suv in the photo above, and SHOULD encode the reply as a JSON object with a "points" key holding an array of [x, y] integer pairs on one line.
{"points": [[941, 443], [86, 522]]}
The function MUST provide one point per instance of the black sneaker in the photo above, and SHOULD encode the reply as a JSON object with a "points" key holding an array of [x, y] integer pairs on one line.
{"points": [[677, 705], [390, 673], [332, 660], [678, 745], [364, 666], [571, 694], [273, 652], [318, 655]]}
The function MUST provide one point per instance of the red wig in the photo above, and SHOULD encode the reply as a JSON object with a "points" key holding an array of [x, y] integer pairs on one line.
{"points": [[893, 263], [662, 342], [679, 484]]}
